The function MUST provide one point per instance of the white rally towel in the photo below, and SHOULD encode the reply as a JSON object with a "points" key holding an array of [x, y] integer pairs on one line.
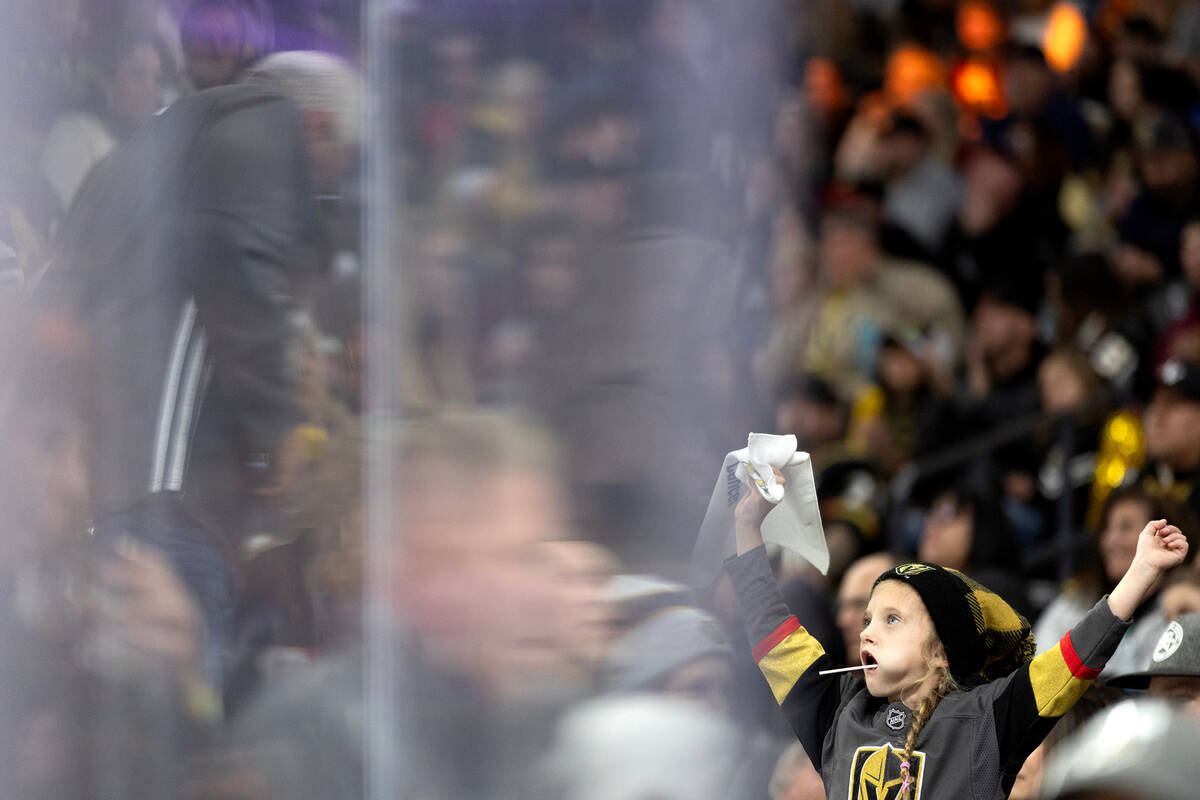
{"points": [[794, 523]]}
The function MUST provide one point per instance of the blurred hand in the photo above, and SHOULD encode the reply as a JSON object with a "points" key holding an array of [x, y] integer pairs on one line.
{"points": [[144, 605]]}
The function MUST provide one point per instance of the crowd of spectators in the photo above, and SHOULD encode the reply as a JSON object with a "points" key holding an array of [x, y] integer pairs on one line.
{"points": [[418, 525]]}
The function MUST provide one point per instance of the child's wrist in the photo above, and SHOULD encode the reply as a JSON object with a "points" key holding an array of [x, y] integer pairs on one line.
{"points": [[1141, 572], [747, 537]]}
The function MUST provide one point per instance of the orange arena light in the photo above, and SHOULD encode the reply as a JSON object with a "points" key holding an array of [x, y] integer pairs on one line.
{"points": [[977, 87], [1066, 33], [910, 71], [823, 85], [979, 26]]}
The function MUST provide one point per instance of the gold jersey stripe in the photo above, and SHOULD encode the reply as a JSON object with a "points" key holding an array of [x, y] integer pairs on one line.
{"points": [[1055, 689], [787, 661]]}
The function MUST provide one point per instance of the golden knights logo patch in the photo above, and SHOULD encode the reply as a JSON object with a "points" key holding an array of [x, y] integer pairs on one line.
{"points": [[875, 773]]}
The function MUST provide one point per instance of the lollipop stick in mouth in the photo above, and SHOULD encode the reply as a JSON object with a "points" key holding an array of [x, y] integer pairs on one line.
{"points": [[847, 669]]}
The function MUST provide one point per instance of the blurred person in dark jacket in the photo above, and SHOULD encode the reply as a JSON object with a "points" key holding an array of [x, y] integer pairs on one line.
{"points": [[999, 384], [1172, 425], [1150, 227], [184, 261]]}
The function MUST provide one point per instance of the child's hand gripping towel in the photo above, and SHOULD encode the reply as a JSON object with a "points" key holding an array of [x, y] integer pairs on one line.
{"points": [[794, 523]]}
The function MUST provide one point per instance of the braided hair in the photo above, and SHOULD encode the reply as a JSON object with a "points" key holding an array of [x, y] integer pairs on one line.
{"points": [[944, 686]]}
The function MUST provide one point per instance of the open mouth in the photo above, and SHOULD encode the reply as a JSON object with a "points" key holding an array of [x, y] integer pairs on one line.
{"points": [[868, 660]]}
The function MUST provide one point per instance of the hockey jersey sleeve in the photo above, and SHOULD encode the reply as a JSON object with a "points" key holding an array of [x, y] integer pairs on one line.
{"points": [[1030, 701], [787, 655]]}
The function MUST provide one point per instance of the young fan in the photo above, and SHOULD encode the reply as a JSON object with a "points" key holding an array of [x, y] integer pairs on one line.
{"points": [[953, 698]]}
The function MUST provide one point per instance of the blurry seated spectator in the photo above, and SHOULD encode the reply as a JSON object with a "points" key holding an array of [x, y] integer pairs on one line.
{"points": [[967, 530], [536, 302], [1044, 129], [644, 746], [1173, 671], [1139, 36], [1181, 594], [1067, 383], [889, 416], [1172, 425], [494, 174], [587, 615], [1006, 231], [923, 192], [635, 597], [1181, 338], [220, 38], [1150, 228], [1093, 314], [808, 408], [1155, 759], [683, 653], [853, 499], [436, 349], [678, 651], [457, 81], [1003, 352], [80, 139], [1126, 511], [1072, 395], [1000, 382], [852, 596], [794, 777], [866, 293]]}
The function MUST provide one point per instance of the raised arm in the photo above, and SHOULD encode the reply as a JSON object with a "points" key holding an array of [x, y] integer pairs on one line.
{"points": [[787, 655], [1030, 701], [1160, 547]]}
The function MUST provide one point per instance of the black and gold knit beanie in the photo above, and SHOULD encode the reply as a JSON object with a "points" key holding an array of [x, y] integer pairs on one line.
{"points": [[981, 633]]}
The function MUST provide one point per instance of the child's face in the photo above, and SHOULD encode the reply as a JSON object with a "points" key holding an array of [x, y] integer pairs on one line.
{"points": [[896, 627]]}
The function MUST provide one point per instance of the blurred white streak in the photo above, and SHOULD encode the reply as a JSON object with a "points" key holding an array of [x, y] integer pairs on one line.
{"points": [[382, 719]]}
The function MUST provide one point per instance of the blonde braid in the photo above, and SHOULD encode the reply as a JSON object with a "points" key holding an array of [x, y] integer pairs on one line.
{"points": [[945, 685]]}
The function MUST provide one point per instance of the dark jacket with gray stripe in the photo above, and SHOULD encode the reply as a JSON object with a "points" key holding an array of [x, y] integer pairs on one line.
{"points": [[181, 258]]}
